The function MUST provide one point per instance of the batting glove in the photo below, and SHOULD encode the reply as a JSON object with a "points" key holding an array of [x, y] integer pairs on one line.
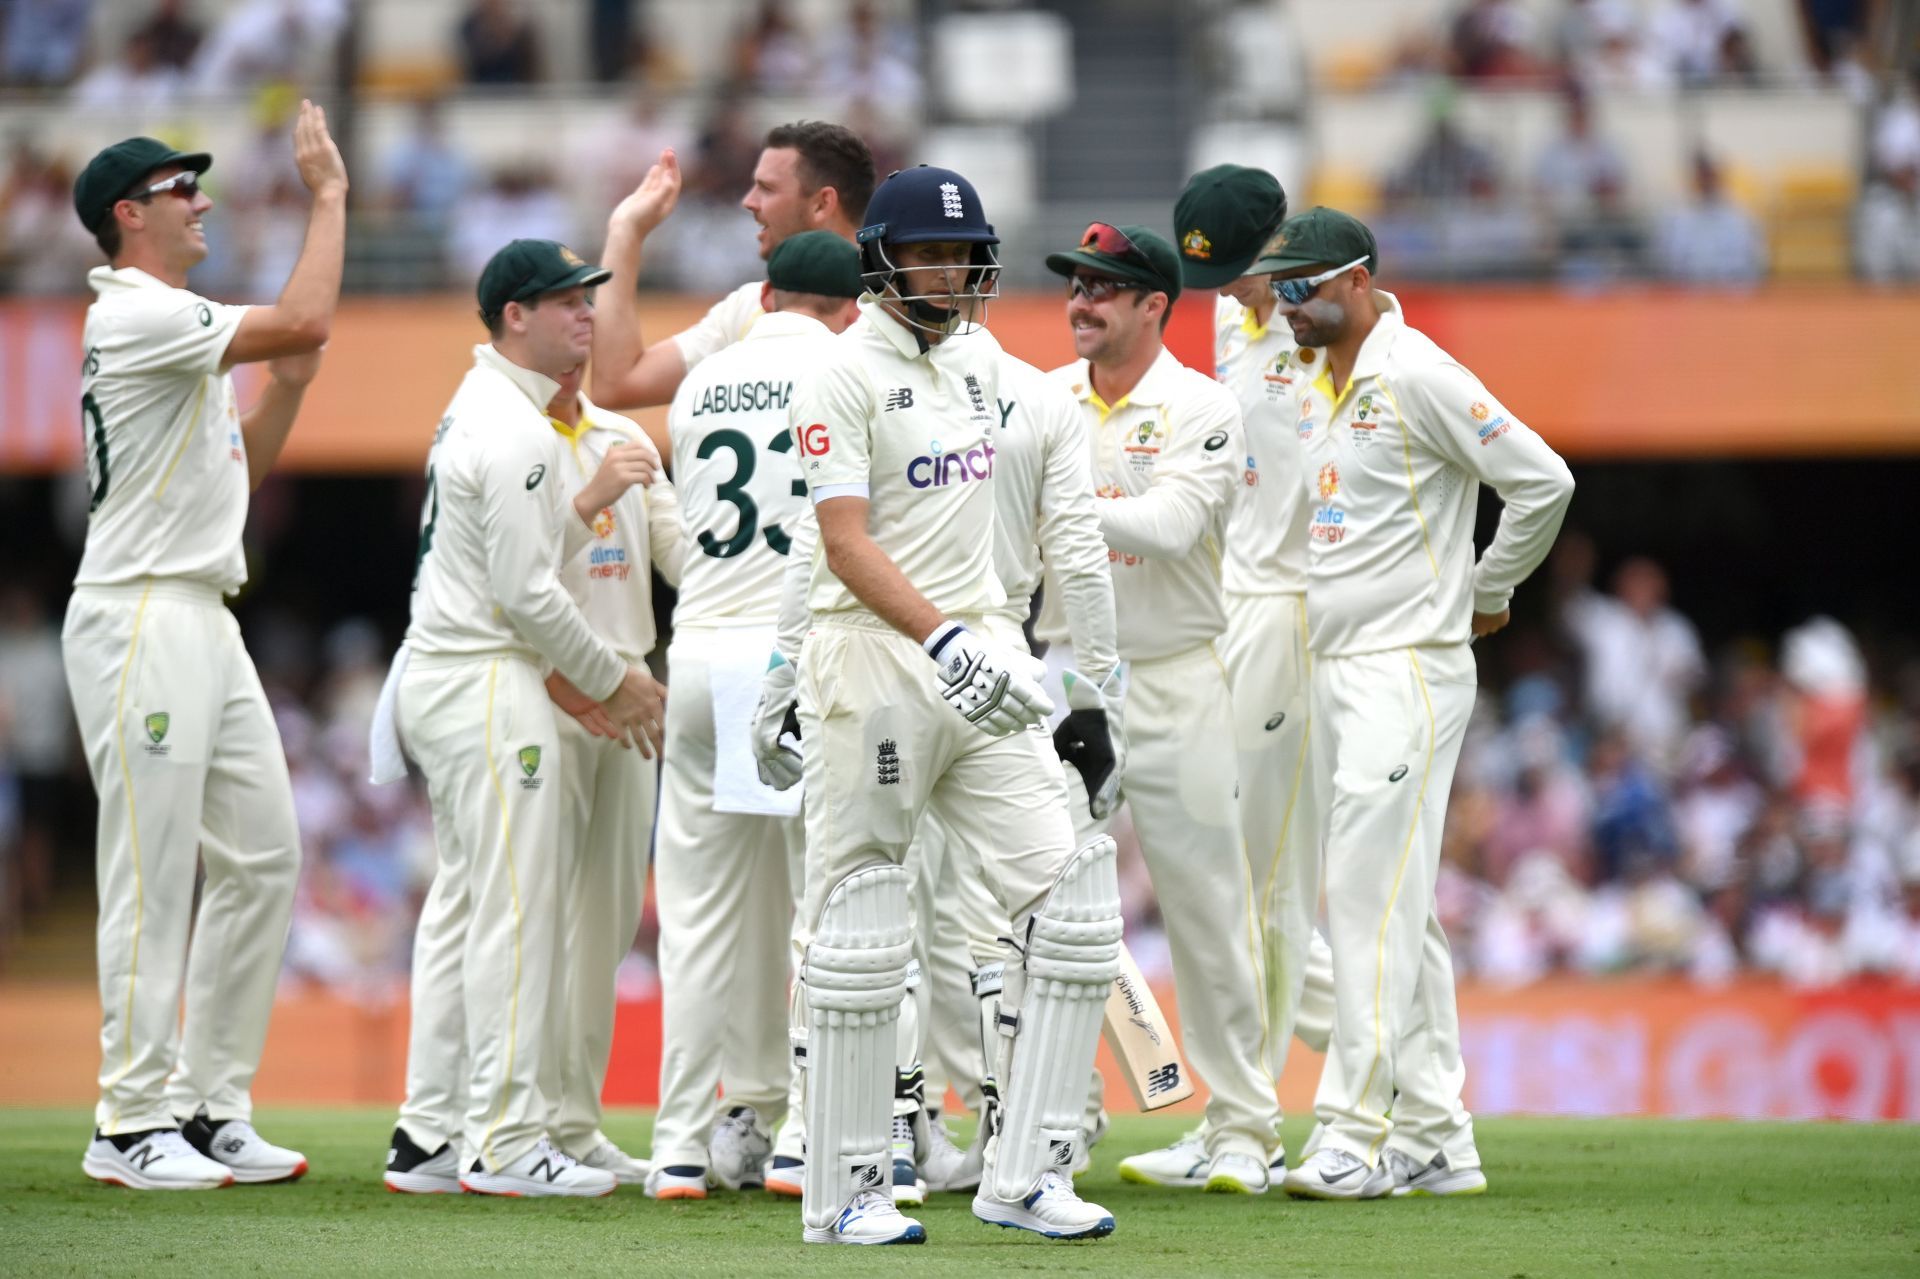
{"points": [[1091, 738], [989, 687], [776, 726]]}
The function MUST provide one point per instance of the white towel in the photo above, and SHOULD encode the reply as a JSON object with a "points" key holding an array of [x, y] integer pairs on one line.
{"points": [[385, 755], [736, 661]]}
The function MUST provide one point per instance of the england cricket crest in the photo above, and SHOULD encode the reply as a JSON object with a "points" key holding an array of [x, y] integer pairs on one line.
{"points": [[530, 767]]}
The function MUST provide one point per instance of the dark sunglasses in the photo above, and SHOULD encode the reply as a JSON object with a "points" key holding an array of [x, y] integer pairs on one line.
{"points": [[1098, 288], [1300, 288], [185, 185]]}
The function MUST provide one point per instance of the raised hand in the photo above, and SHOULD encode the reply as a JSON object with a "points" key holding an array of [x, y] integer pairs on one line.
{"points": [[650, 203], [315, 154]]}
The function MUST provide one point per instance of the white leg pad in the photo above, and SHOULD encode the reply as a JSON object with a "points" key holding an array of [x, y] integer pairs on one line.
{"points": [[855, 974], [1051, 1010]]}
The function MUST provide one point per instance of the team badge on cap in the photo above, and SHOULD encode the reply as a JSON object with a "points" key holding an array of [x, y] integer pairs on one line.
{"points": [[1195, 244]]}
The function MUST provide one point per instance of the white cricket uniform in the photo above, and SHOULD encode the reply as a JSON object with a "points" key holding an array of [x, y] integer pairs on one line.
{"points": [[1166, 464], [913, 433], [490, 618], [1043, 505], [725, 878], [608, 792], [726, 322], [1394, 465], [1264, 573], [180, 742]]}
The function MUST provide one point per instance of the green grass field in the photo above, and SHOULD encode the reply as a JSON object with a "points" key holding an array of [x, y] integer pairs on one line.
{"points": [[1567, 1198]]}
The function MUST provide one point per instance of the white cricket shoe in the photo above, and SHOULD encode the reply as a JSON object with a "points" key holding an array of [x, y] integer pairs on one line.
{"points": [[413, 1171], [870, 1218], [156, 1160], [908, 1190], [1436, 1178], [541, 1172], [677, 1181], [1051, 1208], [1335, 1174], [1182, 1164], [626, 1170], [251, 1158], [1234, 1173], [947, 1167], [784, 1175], [738, 1149]]}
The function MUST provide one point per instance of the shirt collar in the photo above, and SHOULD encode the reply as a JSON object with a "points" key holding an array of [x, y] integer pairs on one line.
{"points": [[1378, 346], [898, 335], [537, 387], [102, 278], [786, 324]]}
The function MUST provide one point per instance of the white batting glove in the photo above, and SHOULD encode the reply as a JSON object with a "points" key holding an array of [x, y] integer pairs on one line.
{"points": [[776, 726], [1092, 738], [992, 689]]}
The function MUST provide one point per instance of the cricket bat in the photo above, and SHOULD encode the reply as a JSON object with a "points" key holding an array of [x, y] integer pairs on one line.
{"points": [[1137, 1032]]}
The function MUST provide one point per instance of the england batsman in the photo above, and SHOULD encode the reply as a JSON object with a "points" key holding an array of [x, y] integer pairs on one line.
{"points": [[727, 855], [810, 176], [895, 433], [1166, 452], [1397, 438], [490, 620], [180, 742]]}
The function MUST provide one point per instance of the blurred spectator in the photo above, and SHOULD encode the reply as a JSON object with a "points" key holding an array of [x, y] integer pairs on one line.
{"points": [[43, 42], [610, 38], [1608, 50], [1576, 166], [1824, 669], [1631, 824], [36, 741], [1493, 40], [136, 83], [710, 242], [426, 176], [1711, 239], [265, 201], [1543, 813], [1643, 660], [499, 44], [1691, 38], [1834, 31], [1886, 233], [875, 60], [43, 248], [259, 41], [171, 35], [521, 202], [620, 154], [1895, 140], [1446, 164], [771, 55]]}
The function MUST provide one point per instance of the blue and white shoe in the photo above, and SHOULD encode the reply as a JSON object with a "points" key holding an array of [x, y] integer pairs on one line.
{"points": [[1051, 1208], [870, 1218], [908, 1190]]}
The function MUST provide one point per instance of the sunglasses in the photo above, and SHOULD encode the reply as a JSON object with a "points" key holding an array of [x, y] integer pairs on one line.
{"points": [[1300, 288], [1098, 288], [1112, 242], [185, 185]]}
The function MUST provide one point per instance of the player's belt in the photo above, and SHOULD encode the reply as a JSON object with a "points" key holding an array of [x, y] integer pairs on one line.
{"points": [[172, 588]]}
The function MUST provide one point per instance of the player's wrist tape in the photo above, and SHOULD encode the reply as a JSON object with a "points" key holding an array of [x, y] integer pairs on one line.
{"points": [[943, 634]]}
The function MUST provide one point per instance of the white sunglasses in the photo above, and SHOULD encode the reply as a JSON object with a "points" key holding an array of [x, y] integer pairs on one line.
{"points": [[1300, 288]]}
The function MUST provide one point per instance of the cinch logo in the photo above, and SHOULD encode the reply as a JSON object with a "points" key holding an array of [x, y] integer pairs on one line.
{"points": [[942, 469]]}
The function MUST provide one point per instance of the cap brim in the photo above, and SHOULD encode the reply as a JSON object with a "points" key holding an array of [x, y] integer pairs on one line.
{"points": [[198, 161], [1211, 274], [1067, 263], [1279, 262], [586, 275]]}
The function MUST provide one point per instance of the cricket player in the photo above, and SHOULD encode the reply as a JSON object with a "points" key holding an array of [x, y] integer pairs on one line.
{"points": [[727, 856], [608, 789], [1223, 218], [811, 176], [491, 619], [895, 432], [180, 742], [1167, 447], [1397, 438]]}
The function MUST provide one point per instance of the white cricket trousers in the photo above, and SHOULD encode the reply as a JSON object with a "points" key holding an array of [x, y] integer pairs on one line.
{"points": [[483, 732], [724, 887], [188, 768], [606, 820], [1387, 729], [1179, 784], [1265, 651]]}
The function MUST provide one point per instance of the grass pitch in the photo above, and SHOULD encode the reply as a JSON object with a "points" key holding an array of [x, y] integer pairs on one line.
{"points": [[1567, 1198]]}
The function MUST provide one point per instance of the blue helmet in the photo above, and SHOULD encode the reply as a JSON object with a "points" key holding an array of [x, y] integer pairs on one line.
{"points": [[924, 205]]}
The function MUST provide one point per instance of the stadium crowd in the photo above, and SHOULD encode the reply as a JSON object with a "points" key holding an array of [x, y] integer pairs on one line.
{"points": [[1627, 800], [1454, 205]]}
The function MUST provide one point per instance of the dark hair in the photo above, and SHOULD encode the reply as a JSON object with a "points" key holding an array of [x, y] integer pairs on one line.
{"points": [[497, 322], [831, 155], [108, 236]]}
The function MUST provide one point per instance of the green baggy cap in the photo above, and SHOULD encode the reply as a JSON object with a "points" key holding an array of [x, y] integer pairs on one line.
{"points": [[527, 268], [1152, 261], [817, 262], [110, 176], [1318, 237], [1223, 216]]}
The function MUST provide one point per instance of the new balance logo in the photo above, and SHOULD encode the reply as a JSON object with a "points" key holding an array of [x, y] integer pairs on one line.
{"points": [[900, 397], [1163, 1079], [867, 1175], [1060, 1153], [888, 763], [544, 1167], [144, 1156]]}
